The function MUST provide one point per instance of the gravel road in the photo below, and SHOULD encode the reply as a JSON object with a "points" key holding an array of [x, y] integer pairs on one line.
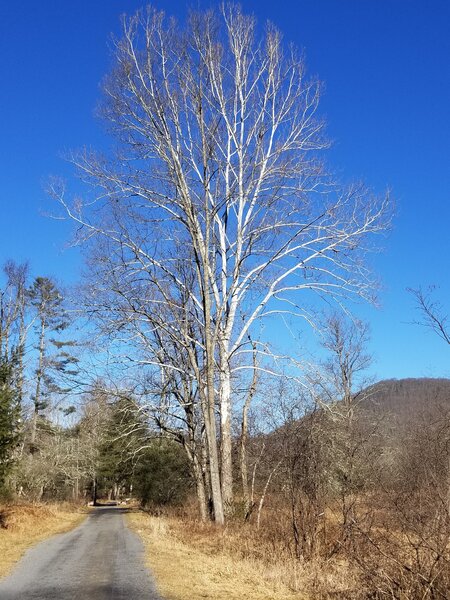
{"points": [[99, 560]]}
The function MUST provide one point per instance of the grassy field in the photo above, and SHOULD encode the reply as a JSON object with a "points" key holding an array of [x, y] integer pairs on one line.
{"points": [[23, 525], [188, 571]]}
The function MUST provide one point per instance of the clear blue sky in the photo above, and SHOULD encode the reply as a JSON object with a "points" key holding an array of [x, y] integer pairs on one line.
{"points": [[385, 64]]}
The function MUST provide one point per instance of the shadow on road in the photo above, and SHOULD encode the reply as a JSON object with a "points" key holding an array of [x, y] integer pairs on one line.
{"points": [[108, 509], [82, 592]]}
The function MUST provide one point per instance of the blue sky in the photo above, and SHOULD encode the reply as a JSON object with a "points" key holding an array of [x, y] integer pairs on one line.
{"points": [[385, 64]]}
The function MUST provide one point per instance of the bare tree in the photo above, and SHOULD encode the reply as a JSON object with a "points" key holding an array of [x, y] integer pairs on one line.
{"points": [[432, 312], [346, 342], [351, 435], [217, 175], [14, 327], [435, 318], [13, 303]]}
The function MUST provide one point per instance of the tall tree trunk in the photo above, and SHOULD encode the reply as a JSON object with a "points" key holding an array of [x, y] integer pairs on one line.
{"points": [[195, 452], [225, 431], [244, 436], [206, 473], [210, 413], [200, 488], [37, 395], [76, 492], [192, 451], [243, 457], [21, 351], [213, 454], [94, 490]]}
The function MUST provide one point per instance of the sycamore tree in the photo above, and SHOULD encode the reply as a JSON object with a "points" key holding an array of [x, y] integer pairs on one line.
{"points": [[214, 211]]}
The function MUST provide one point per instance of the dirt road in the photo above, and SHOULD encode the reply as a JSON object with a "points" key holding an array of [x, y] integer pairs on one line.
{"points": [[99, 560]]}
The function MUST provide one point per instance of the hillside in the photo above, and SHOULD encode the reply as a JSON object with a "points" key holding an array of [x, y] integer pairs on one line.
{"points": [[407, 399]]}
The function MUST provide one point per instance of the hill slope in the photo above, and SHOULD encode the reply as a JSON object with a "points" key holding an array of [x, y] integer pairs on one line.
{"points": [[408, 399]]}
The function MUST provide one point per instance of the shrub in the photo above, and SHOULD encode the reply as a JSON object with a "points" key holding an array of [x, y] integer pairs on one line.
{"points": [[162, 476]]}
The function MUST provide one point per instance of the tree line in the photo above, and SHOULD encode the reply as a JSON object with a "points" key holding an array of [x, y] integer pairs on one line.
{"points": [[35, 361], [62, 435]]}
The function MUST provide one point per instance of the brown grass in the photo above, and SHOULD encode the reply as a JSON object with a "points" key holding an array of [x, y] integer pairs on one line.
{"points": [[199, 568], [195, 560], [23, 525]]}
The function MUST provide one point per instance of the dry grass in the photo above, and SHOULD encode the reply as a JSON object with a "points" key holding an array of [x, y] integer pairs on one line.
{"points": [[271, 549], [185, 569], [23, 525], [381, 556]]}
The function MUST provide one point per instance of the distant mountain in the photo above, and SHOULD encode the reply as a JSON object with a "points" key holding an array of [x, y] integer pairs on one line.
{"points": [[390, 406], [404, 400]]}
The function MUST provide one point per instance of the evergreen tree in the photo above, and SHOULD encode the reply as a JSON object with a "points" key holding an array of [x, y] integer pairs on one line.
{"points": [[10, 413], [162, 476], [47, 301]]}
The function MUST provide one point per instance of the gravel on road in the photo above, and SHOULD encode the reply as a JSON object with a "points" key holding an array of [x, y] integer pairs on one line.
{"points": [[99, 560]]}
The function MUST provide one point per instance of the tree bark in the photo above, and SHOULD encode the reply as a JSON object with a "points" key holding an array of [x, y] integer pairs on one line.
{"points": [[213, 455], [244, 435], [226, 442], [200, 488], [37, 395]]}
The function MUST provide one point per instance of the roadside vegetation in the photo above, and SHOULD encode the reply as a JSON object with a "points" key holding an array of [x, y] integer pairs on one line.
{"points": [[189, 561], [325, 530], [24, 525]]}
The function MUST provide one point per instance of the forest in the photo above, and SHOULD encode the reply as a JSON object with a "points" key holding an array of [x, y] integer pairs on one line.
{"points": [[157, 380]]}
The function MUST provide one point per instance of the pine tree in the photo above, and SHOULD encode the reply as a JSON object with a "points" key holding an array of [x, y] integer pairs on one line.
{"points": [[47, 301], [10, 413]]}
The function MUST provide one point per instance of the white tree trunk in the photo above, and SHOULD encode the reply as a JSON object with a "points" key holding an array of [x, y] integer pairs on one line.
{"points": [[226, 437]]}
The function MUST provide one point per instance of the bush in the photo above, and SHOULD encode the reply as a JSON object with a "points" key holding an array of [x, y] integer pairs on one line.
{"points": [[162, 476]]}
